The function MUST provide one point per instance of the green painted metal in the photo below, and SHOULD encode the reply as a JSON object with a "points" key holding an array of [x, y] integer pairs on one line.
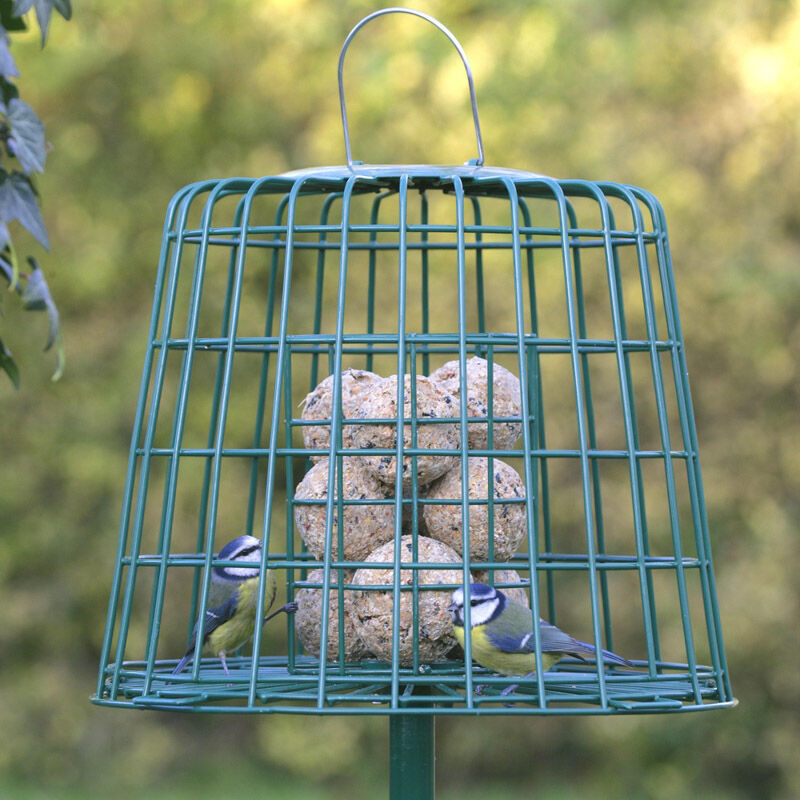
{"points": [[265, 286], [411, 757], [383, 214]]}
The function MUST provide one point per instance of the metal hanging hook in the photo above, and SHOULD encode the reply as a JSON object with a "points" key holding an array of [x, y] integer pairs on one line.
{"points": [[455, 43]]}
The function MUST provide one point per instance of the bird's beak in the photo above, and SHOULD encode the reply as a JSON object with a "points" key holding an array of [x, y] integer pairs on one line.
{"points": [[452, 607]]}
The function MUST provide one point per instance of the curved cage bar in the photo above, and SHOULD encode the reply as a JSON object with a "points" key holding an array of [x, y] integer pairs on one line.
{"points": [[267, 286]]}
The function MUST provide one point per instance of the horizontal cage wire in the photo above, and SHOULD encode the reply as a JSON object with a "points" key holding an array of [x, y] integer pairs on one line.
{"points": [[304, 320]]}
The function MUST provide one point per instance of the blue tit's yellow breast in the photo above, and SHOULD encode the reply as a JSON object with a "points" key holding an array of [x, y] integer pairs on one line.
{"points": [[236, 631], [487, 655]]}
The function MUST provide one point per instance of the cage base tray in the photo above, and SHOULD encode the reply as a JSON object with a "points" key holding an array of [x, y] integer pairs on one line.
{"points": [[370, 687]]}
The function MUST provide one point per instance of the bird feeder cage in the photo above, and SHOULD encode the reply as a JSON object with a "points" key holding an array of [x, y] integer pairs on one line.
{"points": [[563, 289]]}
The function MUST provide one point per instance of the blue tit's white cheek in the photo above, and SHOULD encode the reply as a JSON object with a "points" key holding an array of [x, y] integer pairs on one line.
{"points": [[480, 613], [241, 573], [234, 574]]}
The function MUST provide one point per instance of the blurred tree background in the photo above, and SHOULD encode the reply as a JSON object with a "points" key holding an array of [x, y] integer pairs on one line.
{"points": [[697, 101]]}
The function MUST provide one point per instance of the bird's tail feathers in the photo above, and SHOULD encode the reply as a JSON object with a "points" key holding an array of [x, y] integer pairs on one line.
{"points": [[608, 656], [615, 659], [183, 662]]}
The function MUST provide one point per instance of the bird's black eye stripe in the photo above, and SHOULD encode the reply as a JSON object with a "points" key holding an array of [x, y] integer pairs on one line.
{"points": [[474, 602], [245, 552]]}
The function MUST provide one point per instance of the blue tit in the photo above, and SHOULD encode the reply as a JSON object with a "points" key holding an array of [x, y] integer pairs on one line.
{"points": [[502, 636], [232, 601]]}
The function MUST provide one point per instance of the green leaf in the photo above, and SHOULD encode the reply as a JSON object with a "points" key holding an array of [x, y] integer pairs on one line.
{"points": [[21, 7], [27, 135], [7, 64], [64, 7], [43, 10], [8, 272], [61, 359], [8, 90], [26, 141], [8, 365], [9, 20], [9, 265], [18, 201], [36, 297]]}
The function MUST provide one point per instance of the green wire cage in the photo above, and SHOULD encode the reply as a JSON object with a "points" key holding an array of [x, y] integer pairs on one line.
{"points": [[267, 286]]}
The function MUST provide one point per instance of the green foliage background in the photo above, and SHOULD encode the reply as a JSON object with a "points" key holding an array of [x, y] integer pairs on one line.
{"points": [[697, 101]]}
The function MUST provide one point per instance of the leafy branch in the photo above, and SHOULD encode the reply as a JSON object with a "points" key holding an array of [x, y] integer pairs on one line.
{"points": [[23, 151]]}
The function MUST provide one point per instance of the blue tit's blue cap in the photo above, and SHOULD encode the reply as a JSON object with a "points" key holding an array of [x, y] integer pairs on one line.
{"points": [[241, 548], [482, 591]]}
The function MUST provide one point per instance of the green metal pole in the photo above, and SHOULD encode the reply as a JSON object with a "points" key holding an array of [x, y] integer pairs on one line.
{"points": [[411, 757]]}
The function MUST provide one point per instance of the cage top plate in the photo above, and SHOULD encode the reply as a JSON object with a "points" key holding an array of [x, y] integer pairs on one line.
{"points": [[471, 171]]}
